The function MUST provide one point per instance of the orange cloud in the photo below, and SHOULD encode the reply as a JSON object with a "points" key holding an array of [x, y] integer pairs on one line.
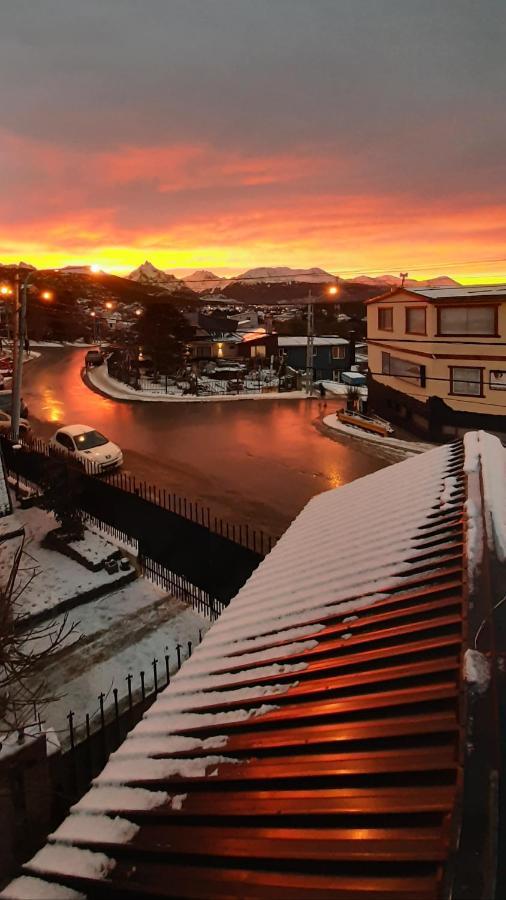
{"points": [[190, 204]]}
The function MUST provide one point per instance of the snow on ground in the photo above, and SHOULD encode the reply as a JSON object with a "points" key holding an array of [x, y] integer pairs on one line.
{"points": [[404, 448], [116, 635], [340, 390], [94, 548], [99, 378], [50, 577]]}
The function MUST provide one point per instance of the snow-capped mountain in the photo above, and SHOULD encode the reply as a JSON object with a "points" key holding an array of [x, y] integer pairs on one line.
{"points": [[76, 270], [394, 280], [284, 274], [203, 280], [149, 274]]}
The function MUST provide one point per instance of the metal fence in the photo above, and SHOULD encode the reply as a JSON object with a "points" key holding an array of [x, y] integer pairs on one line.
{"points": [[89, 738], [180, 538], [251, 538]]}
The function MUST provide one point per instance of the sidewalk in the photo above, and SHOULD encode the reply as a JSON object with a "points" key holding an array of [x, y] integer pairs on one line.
{"points": [[98, 378], [395, 446]]}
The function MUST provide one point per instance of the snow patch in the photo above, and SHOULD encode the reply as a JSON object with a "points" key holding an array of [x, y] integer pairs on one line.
{"points": [[91, 828], [28, 888], [476, 670], [102, 799], [58, 859]]}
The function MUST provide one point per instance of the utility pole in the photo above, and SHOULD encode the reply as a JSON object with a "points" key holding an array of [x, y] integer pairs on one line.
{"points": [[15, 340], [19, 338], [310, 346], [403, 276]]}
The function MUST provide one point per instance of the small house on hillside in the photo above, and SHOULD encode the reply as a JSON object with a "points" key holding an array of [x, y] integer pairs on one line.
{"points": [[332, 355], [257, 345]]}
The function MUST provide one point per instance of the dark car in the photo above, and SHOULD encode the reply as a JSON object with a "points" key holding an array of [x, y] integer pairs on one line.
{"points": [[94, 358]]}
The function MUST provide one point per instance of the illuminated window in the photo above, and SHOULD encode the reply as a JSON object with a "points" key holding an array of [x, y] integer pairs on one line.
{"points": [[338, 352], [258, 350]]}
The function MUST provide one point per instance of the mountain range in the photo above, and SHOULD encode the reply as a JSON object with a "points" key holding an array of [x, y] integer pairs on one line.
{"points": [[204, 281]]}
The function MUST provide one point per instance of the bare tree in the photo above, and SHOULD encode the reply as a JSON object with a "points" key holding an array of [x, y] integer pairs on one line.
{"points": [[23, 650]]}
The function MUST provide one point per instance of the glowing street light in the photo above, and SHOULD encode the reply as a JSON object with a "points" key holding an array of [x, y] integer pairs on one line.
{"points": [[46, 295], [92, 314], [138, 312], [6, 291], [333, 290], [108, 305]]}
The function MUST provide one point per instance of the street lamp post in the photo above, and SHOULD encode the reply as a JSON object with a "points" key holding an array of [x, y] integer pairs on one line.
{"points": [[310, 346], [18, 338]]}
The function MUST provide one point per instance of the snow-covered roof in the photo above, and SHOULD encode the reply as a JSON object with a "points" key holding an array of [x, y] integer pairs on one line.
{"points": [[463, 292], [329, 687], [467, 291], [288, 341]]}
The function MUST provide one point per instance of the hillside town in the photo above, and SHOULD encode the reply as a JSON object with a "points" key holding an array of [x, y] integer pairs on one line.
{"points": [[252, 452]]}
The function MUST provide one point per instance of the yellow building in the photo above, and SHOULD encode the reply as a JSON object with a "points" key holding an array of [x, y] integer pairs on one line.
{"points": [[437, 358]]}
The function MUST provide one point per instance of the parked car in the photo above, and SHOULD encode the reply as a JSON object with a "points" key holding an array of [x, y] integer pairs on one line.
{"points": [[5, 425], [94, 358], [84, 443], [6, 365]]}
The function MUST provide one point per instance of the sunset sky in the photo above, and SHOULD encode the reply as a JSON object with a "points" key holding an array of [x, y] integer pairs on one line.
{"points": [[355, 135]]}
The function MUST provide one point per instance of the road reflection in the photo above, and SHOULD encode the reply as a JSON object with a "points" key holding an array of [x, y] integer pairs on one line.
{"points": [[251, 461]]}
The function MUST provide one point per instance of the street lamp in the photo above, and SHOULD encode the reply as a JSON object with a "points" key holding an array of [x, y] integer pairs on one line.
{"points": [[332, 290], [18, 344]]}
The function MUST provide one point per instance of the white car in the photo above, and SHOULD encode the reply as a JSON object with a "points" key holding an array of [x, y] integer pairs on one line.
{"points": [[84, 443]]}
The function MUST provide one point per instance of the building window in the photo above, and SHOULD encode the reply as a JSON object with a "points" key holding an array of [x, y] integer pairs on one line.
{"points": [[403, 369], [466, 381], [498, 380], [338, 352], [415, 320], [258, 350], [385, 318], [467, 320]]}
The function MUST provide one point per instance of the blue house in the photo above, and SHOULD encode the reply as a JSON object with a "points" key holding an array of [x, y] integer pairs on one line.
{"points": [[332, 355]]}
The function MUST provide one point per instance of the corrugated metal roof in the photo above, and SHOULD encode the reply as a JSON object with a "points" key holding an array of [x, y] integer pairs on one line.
{"points": [[310, 747], [468, 291], [464, 292]]}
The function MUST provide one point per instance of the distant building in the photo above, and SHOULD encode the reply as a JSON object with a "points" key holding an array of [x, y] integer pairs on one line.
{"points": [[437, 358], [257, 344], [332, 355]]}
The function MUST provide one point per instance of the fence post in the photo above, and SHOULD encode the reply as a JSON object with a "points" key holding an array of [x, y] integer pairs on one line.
{"points": [[143, 688], [102, 724], [89, 748], [70, 718], [178, 650], [116, 713], [155, 674], [189, 649], [167, 671]]}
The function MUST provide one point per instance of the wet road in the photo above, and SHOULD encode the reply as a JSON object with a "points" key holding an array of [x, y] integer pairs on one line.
{"points": [[251, 461]]}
